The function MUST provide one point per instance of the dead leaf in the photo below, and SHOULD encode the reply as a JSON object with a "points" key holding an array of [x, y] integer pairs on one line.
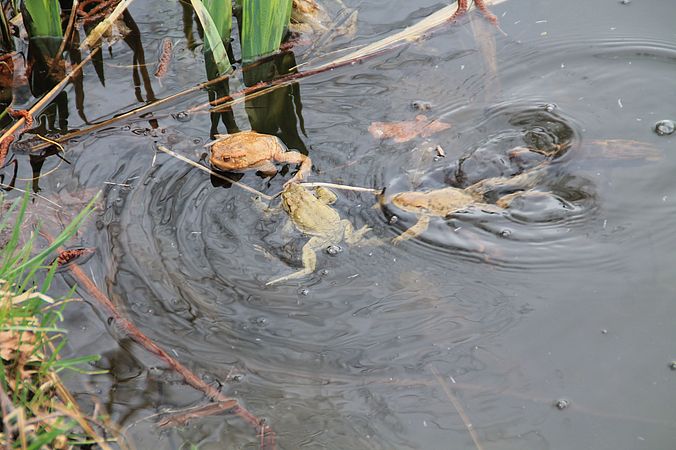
{"points": [[406, 130], [16, 342]]}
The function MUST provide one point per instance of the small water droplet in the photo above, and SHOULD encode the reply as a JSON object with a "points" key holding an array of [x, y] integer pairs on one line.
{"points": [[562, 403], [550, 107], [237, 377], [625, 2], [182, 116], [324, 272], [304, 291], [604, 331], [505, 233], [333, 250], [665, 127], [672, 365], [393, 220]]}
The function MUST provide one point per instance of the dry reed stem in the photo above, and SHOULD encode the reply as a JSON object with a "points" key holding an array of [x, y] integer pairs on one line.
{"points": [[458, 408], [344, 187], [66, 34], [37, 108], [134, 112]]}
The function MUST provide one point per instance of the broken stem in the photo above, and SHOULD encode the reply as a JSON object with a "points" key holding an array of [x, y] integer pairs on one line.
{"points": [[136, 335]]}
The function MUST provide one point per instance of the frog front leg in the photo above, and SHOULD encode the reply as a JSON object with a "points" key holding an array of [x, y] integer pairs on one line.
{"points": [[266, 168], [353, 237], [294, 157], [309, 258], [417, 229]]}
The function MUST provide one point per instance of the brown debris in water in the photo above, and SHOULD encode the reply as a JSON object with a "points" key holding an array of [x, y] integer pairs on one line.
{"points": [[407, 130], [28, 122], [624, 149], [182, 418], [165, 58], [68, 256]]}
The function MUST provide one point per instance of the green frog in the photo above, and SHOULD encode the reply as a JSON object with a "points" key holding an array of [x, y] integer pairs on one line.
{"points": [[309, 212]]}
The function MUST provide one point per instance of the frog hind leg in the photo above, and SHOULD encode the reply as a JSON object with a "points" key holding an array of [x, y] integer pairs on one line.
{"points": [[266, 168], [418, 228], [294, 157], [309, 259]]}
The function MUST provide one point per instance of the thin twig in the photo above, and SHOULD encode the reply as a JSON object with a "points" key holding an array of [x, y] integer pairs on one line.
{"points": [[343, 187], [211, 172], [134, 112], [458, 408], [66, 34]]}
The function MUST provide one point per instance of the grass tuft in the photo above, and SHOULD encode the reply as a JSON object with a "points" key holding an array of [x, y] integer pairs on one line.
{"points": [[37, 410]]}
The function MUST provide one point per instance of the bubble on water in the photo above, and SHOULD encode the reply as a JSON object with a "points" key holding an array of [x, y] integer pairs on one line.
{"points": [[550, 107], [182, 116], [393, 220], [324, 272], [665, 127], [333, 250], [304, 291], [505, 233], [672, 365], [259, 321], [562, 403], [625, 2], [421, 105], [236, 377]]}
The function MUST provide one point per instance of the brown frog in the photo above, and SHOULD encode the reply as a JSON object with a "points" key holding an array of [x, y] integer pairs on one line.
{"points": [[310, 213], [249, 150], [450, 200]]}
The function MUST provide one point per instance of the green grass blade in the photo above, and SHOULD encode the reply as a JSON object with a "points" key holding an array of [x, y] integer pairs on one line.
{"points": [[58, 241], [44, 18], [213, 39], [221, 14], [264, 23]]}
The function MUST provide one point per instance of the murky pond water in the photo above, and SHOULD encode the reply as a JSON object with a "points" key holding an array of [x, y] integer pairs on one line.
{"points": [[488, 317]]}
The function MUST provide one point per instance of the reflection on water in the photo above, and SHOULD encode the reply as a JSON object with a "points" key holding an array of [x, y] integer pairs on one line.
{"points": [[566, 294]]}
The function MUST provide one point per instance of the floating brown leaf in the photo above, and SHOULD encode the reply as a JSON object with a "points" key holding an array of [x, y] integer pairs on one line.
{"points": [[406, 130]]}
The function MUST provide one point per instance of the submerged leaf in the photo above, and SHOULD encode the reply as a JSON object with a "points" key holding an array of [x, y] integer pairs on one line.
{"points": [[406, 130]]}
